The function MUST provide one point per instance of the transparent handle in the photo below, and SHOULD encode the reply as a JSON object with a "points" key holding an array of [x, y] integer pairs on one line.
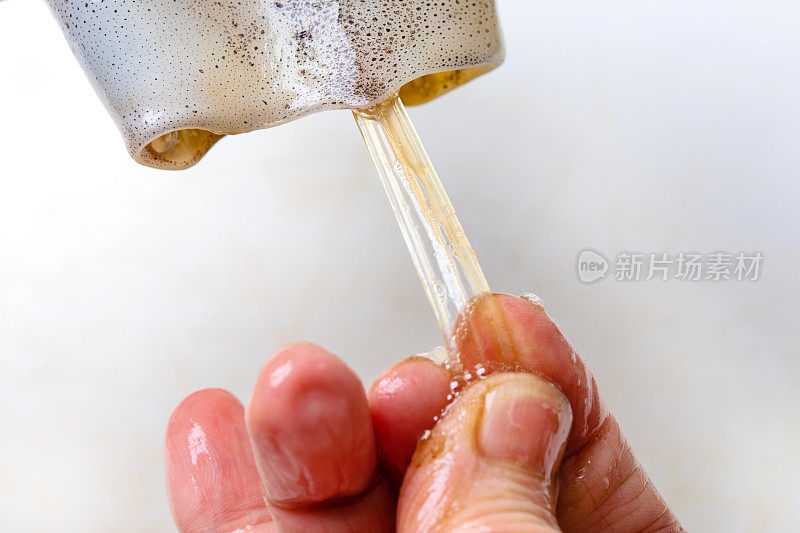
{"points": [[444, 260]]}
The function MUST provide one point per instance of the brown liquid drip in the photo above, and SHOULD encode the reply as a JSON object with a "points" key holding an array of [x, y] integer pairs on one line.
{"points": [[180, 149]]}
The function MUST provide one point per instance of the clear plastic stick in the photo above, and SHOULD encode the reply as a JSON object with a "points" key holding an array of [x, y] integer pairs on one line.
{"points": [[443, 257]]}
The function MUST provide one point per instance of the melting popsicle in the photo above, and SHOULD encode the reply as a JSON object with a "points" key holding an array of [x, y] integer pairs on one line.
{"points": [[208, 68]]}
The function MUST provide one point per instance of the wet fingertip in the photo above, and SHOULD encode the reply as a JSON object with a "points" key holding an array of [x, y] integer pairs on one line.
{"points": [[203, 402], [209, 467], [406, 398], [404, 402], [200, 412], [407, 371], [294, 350], [536, 344], [303, 364], [204, 395]]}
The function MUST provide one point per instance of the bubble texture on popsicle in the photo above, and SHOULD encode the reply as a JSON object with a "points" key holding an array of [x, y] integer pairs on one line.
{"points": [[177, 75]]}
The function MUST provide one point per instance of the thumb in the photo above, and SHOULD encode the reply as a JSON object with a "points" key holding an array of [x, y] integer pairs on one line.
{"points": [[489, 464]]}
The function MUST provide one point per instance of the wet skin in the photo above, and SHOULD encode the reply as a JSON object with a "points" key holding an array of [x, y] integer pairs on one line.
{"points": [[534, 450]]}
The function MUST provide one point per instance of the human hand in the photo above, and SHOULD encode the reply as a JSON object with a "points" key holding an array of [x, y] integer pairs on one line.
{"points": [[534, 450]]}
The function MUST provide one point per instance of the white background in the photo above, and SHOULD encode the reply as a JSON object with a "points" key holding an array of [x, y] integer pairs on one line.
{"points": [[622, 126]]}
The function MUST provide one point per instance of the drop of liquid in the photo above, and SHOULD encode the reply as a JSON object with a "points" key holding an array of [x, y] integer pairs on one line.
{"points": [[533, 298], [166, 143], [438, 355]]}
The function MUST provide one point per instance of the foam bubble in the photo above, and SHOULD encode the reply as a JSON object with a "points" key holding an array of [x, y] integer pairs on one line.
{"points": [[207, 68]]}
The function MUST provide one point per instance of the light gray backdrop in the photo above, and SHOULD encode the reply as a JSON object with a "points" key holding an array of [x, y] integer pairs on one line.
{"points": [[622, 126]]}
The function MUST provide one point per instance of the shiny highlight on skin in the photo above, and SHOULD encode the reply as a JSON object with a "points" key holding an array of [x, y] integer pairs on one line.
{"points": [[207, 443], [531, 342], [490, 461], [504, 457]]}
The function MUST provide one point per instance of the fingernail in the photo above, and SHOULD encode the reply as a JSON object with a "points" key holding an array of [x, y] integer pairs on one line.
{"points": [[525, 421]]}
